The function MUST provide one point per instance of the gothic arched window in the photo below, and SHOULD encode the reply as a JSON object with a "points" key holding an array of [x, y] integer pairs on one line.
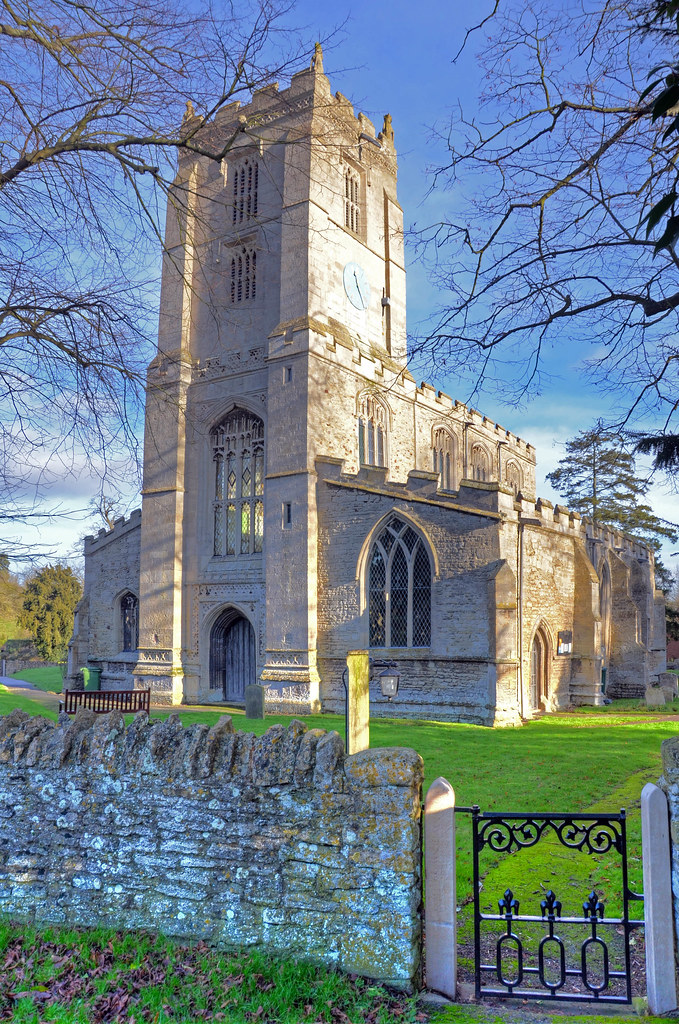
{"points": [[245, 185], [352, 201], [399, 588], [129, 622], [514, 477], [238, 505], [244, 275], [372, 432], [480, 463], [443, 453]]}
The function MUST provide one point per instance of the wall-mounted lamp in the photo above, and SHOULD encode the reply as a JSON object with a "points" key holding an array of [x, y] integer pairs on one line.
{"points": [[388, 678]]}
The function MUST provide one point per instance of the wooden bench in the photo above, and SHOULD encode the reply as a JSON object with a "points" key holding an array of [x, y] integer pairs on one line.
{"points": [[103, 701]]}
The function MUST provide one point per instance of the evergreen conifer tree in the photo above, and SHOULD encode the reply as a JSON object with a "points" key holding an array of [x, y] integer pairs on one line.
{"points": [[597, 478], [49, 605]]}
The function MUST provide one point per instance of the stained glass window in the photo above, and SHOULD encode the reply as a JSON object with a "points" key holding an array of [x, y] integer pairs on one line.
{"points": [[377, 580], [245, 528], [246, 478], [219, 475], [238, 452], [219, 531], [259, 472], [259, 525], [399, 588], [230, 530]]}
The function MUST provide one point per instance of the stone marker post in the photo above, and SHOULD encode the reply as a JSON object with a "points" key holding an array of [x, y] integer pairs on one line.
{"points": [[254, 700], [439, 873], [358, 701]]}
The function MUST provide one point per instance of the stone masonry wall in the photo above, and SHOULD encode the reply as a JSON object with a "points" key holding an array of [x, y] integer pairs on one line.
{"points": [[111, 568], [279, 842]]}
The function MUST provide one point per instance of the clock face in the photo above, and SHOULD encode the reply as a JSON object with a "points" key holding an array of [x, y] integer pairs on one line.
{"points": [[356, 285]]}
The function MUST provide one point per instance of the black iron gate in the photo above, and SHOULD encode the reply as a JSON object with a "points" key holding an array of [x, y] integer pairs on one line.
{"points": [[557, 965]]}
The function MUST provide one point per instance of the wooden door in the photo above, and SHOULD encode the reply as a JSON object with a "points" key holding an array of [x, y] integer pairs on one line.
{"points": [[233, 662], [241, 667]]}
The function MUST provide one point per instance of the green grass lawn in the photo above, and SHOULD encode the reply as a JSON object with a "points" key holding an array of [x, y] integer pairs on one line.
{"points": [[49, 678], [78, 977], [591, 759]]}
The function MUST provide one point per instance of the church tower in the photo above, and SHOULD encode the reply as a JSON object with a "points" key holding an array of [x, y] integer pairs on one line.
{"points": [[304, 497], [282, 307]]}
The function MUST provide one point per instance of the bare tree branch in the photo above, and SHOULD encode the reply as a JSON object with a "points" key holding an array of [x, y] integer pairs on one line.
{"points": [[554, 181], [93, 116]]}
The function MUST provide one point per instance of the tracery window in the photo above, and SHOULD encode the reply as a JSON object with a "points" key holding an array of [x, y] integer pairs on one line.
{"points": [[372, 432], [480, 463], [238, 505], [244, 275], [352, 201], [399, 588], [129, 622], [245, 186], [443, 454], [514, 477]]}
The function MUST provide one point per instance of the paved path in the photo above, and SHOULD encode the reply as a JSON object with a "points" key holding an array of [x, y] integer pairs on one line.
{"points": [[22, 688]]}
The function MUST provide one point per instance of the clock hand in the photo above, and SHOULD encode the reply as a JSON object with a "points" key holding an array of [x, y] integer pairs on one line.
{"points": [[358, 286]]}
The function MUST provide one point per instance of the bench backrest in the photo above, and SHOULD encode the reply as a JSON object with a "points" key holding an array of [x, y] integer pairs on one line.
{"points": [[103, 701]]}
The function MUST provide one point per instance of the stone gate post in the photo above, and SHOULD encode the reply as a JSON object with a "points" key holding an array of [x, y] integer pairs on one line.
{"points": [[440, 891]]}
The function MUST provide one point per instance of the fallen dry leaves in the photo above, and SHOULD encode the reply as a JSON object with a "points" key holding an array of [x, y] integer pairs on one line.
{"points": [[113, 985]]}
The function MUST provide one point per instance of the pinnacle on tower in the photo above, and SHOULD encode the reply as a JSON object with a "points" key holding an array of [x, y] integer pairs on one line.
{"points": [[317, 59]]}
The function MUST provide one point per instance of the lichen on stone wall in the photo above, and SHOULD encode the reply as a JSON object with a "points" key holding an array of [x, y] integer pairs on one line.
{"points": [[278, 841]]}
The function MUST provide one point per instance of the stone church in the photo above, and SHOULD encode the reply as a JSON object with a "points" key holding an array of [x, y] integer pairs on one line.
{"points": [[303, 496]]}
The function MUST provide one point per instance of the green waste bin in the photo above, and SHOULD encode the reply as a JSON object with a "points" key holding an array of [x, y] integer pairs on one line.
{"points": [[91, 677]]}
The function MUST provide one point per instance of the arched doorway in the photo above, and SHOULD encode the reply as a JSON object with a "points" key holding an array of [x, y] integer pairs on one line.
{"points": [[233, 663], [539, 669]]}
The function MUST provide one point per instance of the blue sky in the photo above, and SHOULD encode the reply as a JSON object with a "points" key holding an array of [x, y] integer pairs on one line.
{"points": [[396, 57]]}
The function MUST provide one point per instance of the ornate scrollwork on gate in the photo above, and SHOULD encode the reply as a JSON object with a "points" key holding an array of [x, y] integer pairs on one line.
{"points": [[533, 955], [507, 834]]}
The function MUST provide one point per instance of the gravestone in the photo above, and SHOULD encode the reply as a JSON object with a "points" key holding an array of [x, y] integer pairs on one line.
{"points": [[655, 696], [668, 682], [254, 700]]}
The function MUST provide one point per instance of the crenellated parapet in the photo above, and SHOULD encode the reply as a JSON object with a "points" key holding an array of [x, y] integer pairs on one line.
{"points": [[559, 517], [120, 528]]}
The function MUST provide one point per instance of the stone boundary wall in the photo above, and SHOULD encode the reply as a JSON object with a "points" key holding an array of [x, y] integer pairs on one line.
{"points": [[279, 842]]}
